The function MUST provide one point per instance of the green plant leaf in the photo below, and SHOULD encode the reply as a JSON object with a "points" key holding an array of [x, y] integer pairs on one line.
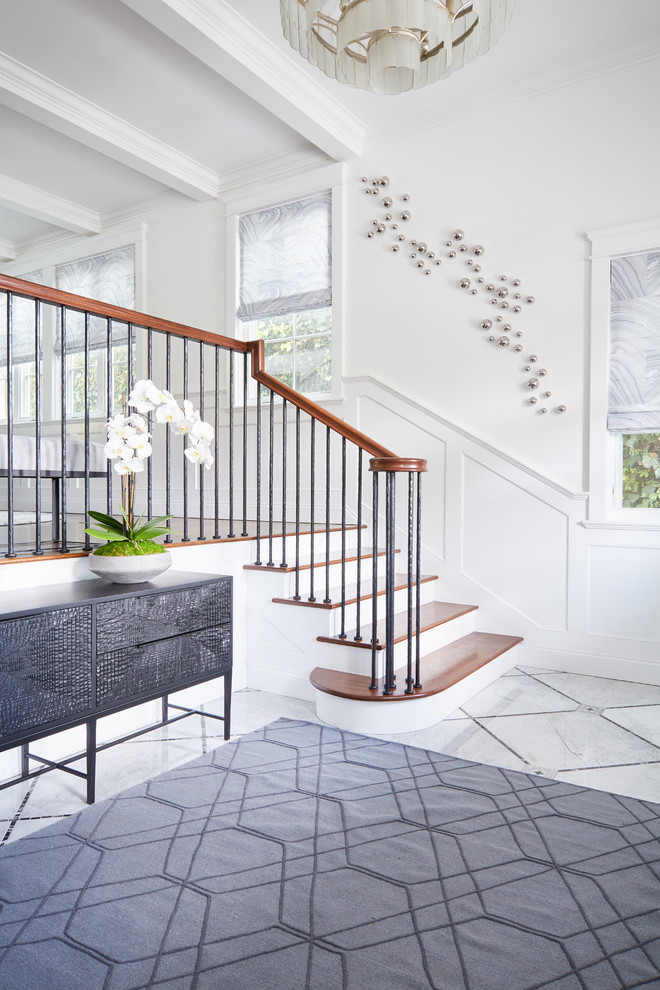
{"points": [[148, 532], [108, 521], [106, 535]]}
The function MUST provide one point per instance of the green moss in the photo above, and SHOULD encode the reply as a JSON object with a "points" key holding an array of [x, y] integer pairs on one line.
{"points": [[129, 548]]}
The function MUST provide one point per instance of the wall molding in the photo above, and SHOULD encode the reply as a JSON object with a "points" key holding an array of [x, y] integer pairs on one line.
{"points": [[45, 101], [42, 205]]}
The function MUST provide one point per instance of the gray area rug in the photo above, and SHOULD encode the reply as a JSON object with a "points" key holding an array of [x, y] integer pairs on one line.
{"points": [[301, 856]]}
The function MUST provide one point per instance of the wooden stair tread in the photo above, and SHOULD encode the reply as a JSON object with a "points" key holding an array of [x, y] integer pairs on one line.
{"points": [[432, 614], [440, 670], [319, 560], [366, 592]]}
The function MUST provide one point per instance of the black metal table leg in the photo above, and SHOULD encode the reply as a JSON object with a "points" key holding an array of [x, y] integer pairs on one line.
{"points": [[91, 760], [227, 708]]}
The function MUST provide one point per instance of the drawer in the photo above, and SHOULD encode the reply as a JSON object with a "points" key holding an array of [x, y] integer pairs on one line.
{"points": [[147, 618], [45, 668], [158, 668]]}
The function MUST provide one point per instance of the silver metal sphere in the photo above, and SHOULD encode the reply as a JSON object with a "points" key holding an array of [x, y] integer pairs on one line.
{"points": [[503, 292], [478, 249], [430, 254], [533, 383], [385, 181], [486, 324], [504, 341], [504, 304], [451, 254], [490, 287], [463, 247], [427, 271], [400, 237], [543, 410], [527, 367], [530, 299], [420, 264], [532, 400], [516, 309], [533, 358], [459, 234], [491, 338], [547, 394], [395, 247], [465, 283], [541, 372], [473, 292], [477, 268], [405, 215], [518, 348], [502, 278], [387, 201], [515, 282], [422, 246], [405, 197], [561, 409], [438, 261]]}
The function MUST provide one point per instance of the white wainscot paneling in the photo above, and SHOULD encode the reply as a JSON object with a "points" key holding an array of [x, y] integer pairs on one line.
{"points": [[623, 584], [401, 432], [515, 545]]}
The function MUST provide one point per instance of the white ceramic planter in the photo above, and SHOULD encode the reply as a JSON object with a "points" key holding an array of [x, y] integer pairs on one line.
{"points": [[130, 570]]}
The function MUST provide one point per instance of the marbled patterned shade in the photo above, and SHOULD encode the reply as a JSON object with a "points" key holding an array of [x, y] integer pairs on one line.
{"points": [[23, 318], [109, 277], [286, 258], [634, 382]]}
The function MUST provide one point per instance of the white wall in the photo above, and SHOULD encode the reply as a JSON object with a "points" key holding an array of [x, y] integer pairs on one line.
{"points": [[527, 181]]}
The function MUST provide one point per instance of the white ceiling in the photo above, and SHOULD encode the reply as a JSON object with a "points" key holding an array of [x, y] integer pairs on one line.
{"points": [[109, 107]]}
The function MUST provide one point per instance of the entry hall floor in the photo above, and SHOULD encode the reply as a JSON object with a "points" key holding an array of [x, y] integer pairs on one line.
{"points": [[587, 730]]}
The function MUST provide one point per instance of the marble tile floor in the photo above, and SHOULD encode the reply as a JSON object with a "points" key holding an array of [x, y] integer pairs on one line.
{"points": [[593, 731]]}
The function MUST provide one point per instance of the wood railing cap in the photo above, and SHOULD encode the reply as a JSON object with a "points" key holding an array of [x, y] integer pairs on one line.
{"points": [[415, 464]]}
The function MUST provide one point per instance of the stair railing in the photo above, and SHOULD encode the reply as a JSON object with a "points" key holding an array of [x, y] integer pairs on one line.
{"points": [[227, 381]]}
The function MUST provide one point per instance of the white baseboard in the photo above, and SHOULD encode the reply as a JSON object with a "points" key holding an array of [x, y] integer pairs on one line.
{"points": [[596, 665]]}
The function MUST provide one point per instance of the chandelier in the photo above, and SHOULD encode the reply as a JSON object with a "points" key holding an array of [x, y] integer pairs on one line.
{"points": [[390, 46]]}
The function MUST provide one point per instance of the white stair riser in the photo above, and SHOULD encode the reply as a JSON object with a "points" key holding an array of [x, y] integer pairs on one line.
{"points": [[306, 540], [427, 594], [386, 717], [351, 570]]}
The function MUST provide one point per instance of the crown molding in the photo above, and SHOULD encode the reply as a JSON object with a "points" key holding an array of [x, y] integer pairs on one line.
{"points": [[7, 250], [272, 169], [34, 202], [45, 101], [226, 42], [568, 74]]}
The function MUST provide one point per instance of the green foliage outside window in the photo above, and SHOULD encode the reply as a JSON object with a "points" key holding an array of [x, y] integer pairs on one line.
{"points": [[298, 349], [641, 470]]}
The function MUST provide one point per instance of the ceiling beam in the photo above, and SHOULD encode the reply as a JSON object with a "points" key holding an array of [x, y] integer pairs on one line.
{"points": [[34, 202], [45, 101], [225, 41], [7, 250]]}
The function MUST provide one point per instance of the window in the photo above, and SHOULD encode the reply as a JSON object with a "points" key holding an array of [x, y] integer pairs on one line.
{"points": [[109, 277], [625, 431], [285, 289]]}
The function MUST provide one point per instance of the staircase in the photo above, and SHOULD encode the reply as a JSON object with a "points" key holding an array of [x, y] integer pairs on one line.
{"points": [[335, 651]]}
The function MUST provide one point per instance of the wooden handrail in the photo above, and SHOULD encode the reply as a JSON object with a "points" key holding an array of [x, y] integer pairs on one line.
{"points": [[257, 352], [386, 459], [34, 291]]}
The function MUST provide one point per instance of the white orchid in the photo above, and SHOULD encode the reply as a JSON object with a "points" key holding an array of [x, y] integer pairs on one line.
{"points": [[169, 412], [145, 396], [201, 431]]}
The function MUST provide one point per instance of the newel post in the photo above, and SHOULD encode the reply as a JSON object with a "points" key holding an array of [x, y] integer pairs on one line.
{"points": [[390, 467]]}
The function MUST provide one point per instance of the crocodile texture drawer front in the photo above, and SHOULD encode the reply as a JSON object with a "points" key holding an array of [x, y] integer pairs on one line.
{"points": [[137, 670], [147, 618], [45, 668]]}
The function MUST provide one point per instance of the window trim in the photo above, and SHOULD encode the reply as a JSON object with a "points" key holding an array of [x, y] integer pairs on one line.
{"points": [[254, 197], [609, 243]]}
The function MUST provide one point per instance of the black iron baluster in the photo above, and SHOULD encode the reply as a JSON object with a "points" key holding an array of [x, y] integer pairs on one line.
{"points": [[38, 552], [62, 500], [390, 506], [202, 469], [374, 581], [409, 676], [186, 537], [108, 402], [231, 533], [327, 515], [10, 429], [150, 492], [284, 439], [270, 561], [312, 480], [88, 542], [129, 360], [245, 436], [418, 680], [168, 448], [216, 392], [358, 636], [259, 387], [342, 634], [296, 593]]}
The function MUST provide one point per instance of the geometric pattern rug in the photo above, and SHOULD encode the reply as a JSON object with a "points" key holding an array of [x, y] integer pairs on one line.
{"points": [[301, 857]]}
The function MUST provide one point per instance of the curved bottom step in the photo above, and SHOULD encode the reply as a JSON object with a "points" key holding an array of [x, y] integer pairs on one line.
{"points": [[451, 676]]}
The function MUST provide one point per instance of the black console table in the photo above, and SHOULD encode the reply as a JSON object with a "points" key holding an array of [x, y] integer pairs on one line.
{"points": [[72, 653]]}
